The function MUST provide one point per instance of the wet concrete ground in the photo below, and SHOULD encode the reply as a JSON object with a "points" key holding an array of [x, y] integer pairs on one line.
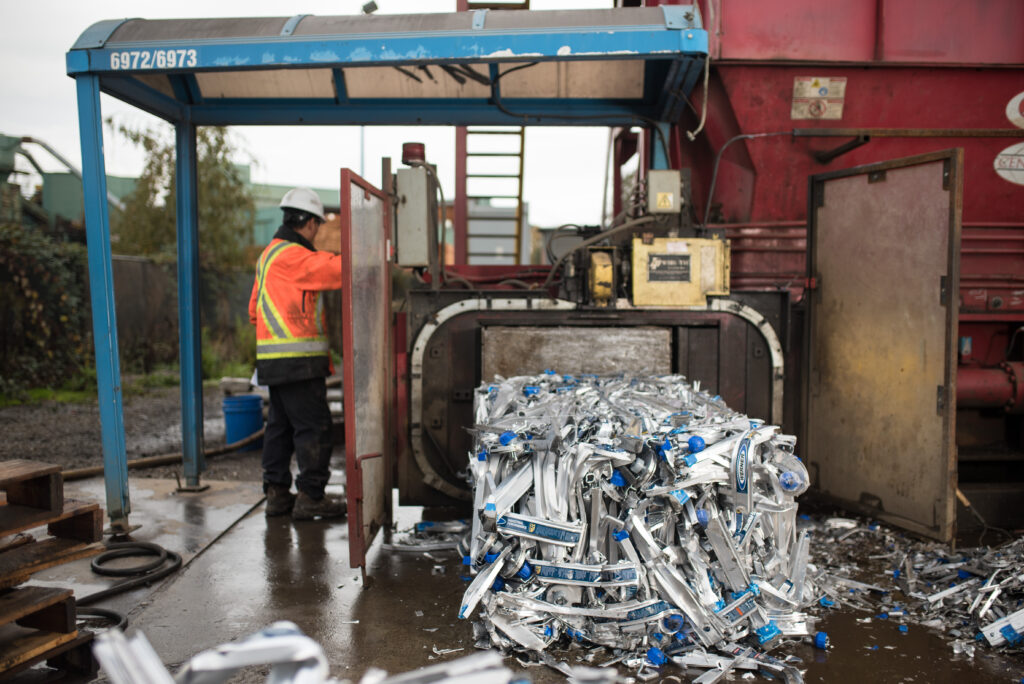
{"points": [[247, 571]]}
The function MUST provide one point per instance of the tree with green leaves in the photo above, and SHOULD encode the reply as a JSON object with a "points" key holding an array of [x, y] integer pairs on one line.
{"points": [[147, 226]]}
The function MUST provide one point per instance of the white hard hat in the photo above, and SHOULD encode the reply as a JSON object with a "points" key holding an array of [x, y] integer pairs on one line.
{"points": [[303, 199]]}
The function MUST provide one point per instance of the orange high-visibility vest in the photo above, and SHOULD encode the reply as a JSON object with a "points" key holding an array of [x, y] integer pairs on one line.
{"points": [[285, 305]]}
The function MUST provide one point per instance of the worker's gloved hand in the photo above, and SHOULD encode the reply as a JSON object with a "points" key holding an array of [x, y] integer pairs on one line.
{"points": [[330, 506]]}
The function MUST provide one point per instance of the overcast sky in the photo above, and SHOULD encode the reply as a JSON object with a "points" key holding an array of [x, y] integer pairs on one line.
{"points": [[564, 166]]}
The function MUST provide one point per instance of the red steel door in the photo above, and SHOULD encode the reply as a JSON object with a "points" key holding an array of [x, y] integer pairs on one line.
{"points": [[366, 351], [880, 400]]}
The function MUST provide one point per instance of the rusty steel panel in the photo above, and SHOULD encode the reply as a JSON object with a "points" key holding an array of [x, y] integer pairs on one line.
{"points": [[528, 350], [884, 248], [366, 335]]}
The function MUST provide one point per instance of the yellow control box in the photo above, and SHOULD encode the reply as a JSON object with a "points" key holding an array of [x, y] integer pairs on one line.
{"points": [[679, 271]]}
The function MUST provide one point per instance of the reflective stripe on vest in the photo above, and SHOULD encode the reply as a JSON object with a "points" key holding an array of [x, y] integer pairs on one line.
{"points": [[284, 344]]}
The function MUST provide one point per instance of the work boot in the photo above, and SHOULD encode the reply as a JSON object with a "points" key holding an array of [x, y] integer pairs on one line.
{"points": [[307, 508], [280, 501]]}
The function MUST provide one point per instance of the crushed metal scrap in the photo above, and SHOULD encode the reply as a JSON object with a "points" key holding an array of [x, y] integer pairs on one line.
{"points": [[974, 596], [638, 514]]}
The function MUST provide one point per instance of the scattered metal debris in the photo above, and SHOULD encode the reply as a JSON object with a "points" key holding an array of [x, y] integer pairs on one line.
{"points": [[426, 536], [972, 595], [638, 514]]}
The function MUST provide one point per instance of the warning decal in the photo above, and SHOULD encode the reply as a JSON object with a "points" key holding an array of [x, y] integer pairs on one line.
{"points": [[818, 97]]}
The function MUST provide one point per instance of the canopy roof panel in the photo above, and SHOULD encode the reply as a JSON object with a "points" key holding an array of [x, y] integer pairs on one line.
{"points": [[600, 67]]}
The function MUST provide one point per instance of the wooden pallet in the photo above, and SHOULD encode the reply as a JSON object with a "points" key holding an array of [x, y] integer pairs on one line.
{"points": [[38, 623]]}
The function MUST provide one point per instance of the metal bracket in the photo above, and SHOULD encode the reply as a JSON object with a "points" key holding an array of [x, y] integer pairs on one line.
{"points": [[676, 16], [479, 17], [292, 24], [825, 156]]}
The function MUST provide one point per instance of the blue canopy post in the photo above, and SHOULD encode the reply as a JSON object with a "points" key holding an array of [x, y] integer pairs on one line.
{"points": [[189, 347], [101, 290]]}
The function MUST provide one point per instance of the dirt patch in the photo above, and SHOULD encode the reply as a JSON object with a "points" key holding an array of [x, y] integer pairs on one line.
{"points": [[69, 434]]}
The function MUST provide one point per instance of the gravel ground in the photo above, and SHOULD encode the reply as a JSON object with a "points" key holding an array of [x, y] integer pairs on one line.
{"points": [[69, 434]]}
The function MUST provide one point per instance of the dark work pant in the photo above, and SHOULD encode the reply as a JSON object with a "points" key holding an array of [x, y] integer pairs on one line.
{"points": [[299, 421]]}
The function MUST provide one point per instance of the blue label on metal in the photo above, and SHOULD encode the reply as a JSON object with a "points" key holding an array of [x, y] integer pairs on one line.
{"points": [[740, 468], [514, 525], [647, 611]]}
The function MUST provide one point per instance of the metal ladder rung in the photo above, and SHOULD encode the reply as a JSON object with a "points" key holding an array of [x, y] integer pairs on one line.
{"points": [[491, 236], [492, 175], [494, 154], [515, 133], [482, 197]]}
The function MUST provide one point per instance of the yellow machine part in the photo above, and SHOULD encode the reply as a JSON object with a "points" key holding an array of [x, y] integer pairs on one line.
{"points": [[602, 277], [679, 271]]}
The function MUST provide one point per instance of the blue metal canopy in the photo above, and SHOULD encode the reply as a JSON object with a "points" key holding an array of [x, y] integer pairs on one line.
{"points": [[614, 67]]}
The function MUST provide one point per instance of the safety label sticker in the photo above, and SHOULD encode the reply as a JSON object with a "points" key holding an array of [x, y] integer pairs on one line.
{"points": [[818, 97], [668, 267]]}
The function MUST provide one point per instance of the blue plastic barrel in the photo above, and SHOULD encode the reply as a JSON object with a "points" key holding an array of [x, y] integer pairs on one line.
{"points": [[243, 415]]}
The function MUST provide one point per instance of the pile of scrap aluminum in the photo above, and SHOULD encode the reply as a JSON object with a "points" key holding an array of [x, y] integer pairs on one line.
{"points": [[972, 595], [637, 514]]}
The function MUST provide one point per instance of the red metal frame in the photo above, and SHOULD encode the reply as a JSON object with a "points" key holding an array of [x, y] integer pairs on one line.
{"points": [[358, 545]]}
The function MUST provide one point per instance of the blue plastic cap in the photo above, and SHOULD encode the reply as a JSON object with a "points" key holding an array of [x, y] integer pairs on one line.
{"points": [[498, 585], [550, 372], [695, 444], [821, 640], [703, 517], [490, 507], [719, 605], [963, 574], [620, 535], [904, 629], [467, 560], [826, 602], [548, 631], [482, 456], [767, 633], [656, 656], [882, 616], [674, 622], [690, 460], [658, 636], [790, 481], [506, 437], [530, 390], [617, 479], [524, 572], [490, 557]]}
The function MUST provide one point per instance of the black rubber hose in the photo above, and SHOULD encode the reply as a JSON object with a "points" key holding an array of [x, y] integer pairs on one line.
{"points": [[123, 549], [120, 621]]}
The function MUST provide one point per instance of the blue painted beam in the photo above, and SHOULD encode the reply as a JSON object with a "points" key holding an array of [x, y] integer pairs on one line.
{"points": [[551, 44], [101, 290], [383, 112], [189, 345]]}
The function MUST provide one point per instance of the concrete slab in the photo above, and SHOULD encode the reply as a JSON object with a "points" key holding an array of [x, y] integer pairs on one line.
{"points": [[185, 523]]}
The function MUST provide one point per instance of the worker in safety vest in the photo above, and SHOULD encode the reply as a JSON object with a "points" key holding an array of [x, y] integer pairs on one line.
{"points": [[292, 358]]}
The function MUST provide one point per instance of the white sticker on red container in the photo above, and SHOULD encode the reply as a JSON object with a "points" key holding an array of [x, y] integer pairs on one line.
{"points": [[1015, 110], [1009, 163], [818, 97]]}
